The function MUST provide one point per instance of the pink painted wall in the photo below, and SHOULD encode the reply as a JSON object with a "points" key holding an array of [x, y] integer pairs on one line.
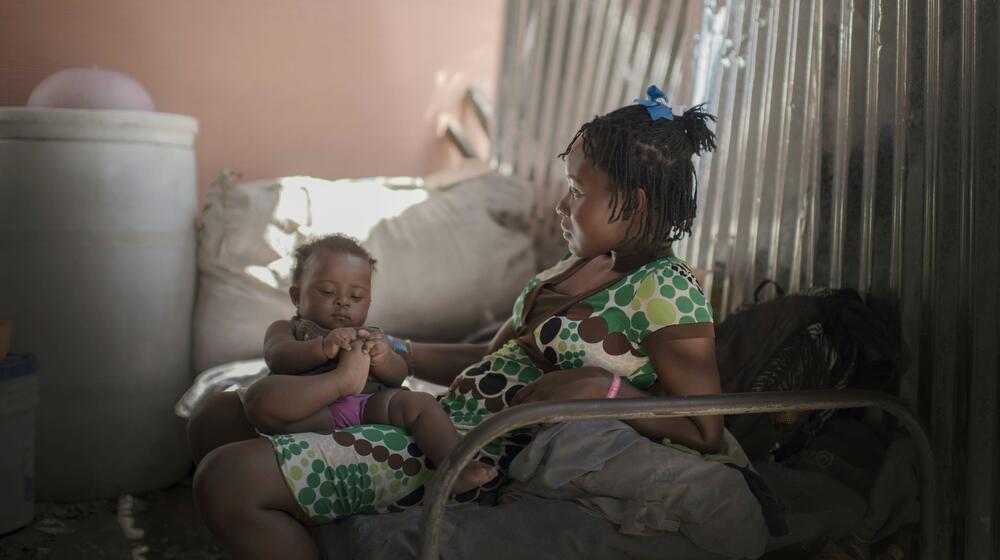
{"points": [[316, 87]]}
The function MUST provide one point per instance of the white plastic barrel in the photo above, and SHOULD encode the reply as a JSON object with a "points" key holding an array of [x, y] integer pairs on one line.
{"points": [[97, 271], [18, 401]]}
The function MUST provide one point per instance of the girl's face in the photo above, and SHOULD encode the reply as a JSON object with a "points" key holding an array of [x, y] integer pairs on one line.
{"points": [[586, 208], [335, 289]]}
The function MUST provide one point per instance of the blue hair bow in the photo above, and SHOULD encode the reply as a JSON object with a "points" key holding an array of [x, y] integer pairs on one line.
{"points": [[656, 105]]}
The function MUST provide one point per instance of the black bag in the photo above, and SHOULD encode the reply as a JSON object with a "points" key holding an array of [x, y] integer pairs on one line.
{"points": [[818, 339]]}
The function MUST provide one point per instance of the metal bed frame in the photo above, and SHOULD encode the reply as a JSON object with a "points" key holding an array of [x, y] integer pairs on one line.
{"points": [[733, 403]]}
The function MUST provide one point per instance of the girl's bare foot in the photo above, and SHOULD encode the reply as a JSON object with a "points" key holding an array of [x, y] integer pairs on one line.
{"points": [[474, 474]]}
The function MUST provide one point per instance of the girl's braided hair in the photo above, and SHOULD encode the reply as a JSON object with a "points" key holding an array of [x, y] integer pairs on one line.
{"points": [[652, 156]]}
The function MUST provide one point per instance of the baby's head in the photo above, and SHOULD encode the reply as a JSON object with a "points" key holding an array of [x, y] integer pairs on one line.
{"points": [[332, 282], [643, 170]]}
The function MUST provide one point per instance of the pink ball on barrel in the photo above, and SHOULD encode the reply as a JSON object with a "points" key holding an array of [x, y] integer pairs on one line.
{"points": [[91, 88]]}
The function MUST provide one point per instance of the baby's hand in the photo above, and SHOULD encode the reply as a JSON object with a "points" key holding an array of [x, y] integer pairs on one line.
{"points": [[338, 339]]}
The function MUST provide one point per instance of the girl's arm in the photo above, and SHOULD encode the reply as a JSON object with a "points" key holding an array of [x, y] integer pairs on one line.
{"points": [[388, 366], [505, 334], [286, 356], [685, 366], [392, 370], [277, 401], [441, 363]]}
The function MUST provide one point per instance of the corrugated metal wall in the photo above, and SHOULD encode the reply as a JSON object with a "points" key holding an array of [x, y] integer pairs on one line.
{"points": [[858, 146], [565, 61]]}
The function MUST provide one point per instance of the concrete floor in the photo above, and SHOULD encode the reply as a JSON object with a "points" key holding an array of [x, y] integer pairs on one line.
{"points": [[153, 526], [165, 525]]}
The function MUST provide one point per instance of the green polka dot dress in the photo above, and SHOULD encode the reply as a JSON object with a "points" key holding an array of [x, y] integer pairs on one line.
{"points": [[377, 469]]}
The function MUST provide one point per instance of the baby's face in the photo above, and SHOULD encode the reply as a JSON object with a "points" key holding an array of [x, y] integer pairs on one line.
{"points": [[335, 290]]}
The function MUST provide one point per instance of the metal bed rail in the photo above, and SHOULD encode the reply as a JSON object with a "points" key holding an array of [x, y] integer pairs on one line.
{"points": [[706, 405]]}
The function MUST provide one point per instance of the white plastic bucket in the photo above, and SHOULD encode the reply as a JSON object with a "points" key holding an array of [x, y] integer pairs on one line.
{"points": [[18, 402], [97, 245]]}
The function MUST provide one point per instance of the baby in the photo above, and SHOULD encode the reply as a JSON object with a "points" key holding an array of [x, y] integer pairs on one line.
{"points": [[352, 374]]}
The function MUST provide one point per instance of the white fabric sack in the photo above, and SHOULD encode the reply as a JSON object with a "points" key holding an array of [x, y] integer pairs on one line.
{"points": [[449, 260], [242, 374], [219, 379]]}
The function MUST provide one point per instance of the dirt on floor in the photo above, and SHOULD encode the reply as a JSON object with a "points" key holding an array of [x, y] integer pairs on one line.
{"points": [[157, 525]]}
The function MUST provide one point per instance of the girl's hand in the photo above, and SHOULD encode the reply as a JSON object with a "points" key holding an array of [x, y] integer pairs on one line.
{"points": [[387, 366], [375, 344], [566, 385], [338, 339]]}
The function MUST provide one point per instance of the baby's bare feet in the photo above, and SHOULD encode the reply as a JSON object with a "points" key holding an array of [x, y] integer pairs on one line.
{"points": [[474, 474]]}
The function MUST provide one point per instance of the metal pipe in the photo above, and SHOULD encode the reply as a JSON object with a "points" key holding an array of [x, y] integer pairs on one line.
{"points": [[718, 23], [536, 35], [811, 110], [842, 147], [666, 50], [623, 51], [734, 176], [505, 90], [635, 83], [683, 60], [746, 261], [561, 130], [703, 405], [784, 142], [941, 386], [595, 31], [899, 143], [979, 504], [612, 34], [871, 142], [816, 155], [555, 68]]}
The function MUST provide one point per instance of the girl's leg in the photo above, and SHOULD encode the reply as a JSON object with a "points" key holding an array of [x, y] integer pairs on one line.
{"points": [[217, 421], [242, 496], [430, 427]]}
